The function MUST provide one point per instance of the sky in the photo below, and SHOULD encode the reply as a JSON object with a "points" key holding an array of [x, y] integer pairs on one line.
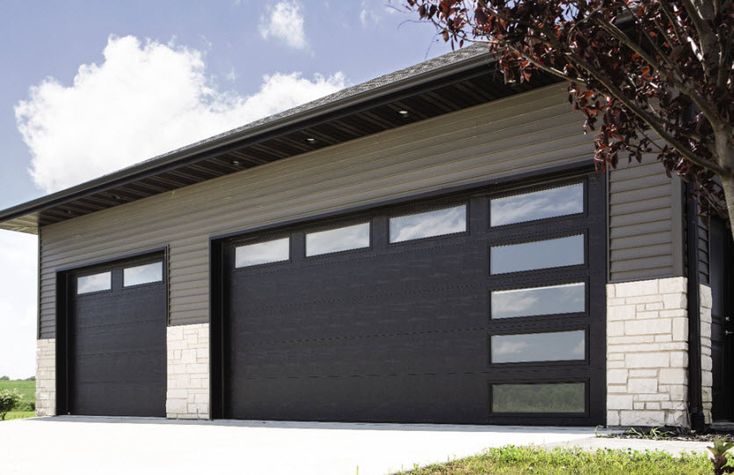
{"points": [[88, 87]]}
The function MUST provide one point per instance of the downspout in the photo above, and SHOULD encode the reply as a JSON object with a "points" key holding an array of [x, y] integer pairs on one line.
{"points": [[695, 385]]}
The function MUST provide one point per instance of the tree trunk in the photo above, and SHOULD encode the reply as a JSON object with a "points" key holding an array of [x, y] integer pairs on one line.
{"points": [[727, 182]]}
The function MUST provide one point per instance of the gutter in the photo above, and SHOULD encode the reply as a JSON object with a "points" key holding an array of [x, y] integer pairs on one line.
{"points": [[695, 385]]}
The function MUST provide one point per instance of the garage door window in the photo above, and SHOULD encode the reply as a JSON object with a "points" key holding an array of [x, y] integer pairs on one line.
{"points": [[428, 224], [560, 252], [94, 283], [538, 398], [277, 250], [543, 204], [143, 274], [356, 236], [550, 300], [552, 346]]}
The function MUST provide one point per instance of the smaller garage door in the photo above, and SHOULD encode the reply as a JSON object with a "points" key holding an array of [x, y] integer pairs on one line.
{"points": [[117, 339]]}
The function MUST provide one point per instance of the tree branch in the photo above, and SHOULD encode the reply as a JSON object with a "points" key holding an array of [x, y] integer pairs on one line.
{"points": [[706, 36], [652, 122]]}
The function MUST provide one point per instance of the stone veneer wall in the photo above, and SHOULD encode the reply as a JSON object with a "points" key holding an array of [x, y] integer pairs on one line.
{"points": [[46, 377], [188, 372], [647, 353], [707, 377]]}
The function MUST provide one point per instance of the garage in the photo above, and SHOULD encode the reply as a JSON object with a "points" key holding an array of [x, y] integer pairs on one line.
{"points": [[480, 306], [116, 339]]}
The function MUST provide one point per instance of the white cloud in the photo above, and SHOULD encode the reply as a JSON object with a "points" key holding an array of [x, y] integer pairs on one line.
{"points": [[144, 99], [18, 262], [372, 11], [284, 21]]}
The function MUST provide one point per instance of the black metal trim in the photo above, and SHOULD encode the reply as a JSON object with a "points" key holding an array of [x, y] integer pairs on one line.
{"points": [[216, 329], [695, 383]]}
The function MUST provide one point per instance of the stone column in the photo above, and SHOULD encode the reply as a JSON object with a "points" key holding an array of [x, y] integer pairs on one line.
{"points": [[188, 372], [647, 353], [46, 377]]}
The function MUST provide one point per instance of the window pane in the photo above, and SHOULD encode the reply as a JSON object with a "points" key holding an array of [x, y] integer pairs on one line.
{"points": [[144, 274], [559, 252], [340, 239], [542, 204], [94, 283], [431, 223], [553, 397], [276, 250], [551, 300], [556, 346]]}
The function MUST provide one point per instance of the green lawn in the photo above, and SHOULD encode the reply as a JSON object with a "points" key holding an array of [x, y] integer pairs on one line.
{"points": [[28, 390], [521, 460]]}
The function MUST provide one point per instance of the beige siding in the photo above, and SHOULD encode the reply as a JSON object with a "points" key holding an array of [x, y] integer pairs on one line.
{"points": [[504, 138], [645, 223]]}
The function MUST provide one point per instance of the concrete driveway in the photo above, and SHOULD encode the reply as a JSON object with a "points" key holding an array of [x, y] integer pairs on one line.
{"points": [[86, 445]]}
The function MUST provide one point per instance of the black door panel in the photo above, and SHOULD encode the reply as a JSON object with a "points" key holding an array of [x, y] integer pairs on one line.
{"points": [[400, 332], [117, 360]]}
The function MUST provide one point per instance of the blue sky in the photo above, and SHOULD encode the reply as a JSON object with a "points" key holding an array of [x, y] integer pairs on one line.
{"points": [[83, 78]]}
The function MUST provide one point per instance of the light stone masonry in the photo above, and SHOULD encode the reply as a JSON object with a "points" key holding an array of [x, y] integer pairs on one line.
{"points": [[647, 353], [188, 372], [707, 377], [46, 377]]}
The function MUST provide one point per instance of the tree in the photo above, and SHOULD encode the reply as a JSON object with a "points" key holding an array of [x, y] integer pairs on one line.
{"points": [[8, 400], [653, 76]]}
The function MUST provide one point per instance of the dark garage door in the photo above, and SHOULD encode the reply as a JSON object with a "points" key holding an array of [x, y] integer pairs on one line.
{"points": [[477, 308], [117, 339]]}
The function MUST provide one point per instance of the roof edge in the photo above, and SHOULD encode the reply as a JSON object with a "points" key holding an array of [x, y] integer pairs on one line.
{"points": [[228, 138]]}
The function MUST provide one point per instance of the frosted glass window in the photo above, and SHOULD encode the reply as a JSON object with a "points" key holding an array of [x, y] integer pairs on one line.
{"points": [[550, 300], [94, 283], [538, 398], [340, 239], [552, 346], [431, 223], [276, 250], [549, 203], [144, 274], [566, 251]]}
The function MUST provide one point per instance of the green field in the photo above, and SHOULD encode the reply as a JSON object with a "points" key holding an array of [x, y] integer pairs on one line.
{"points": [[28, 390]]}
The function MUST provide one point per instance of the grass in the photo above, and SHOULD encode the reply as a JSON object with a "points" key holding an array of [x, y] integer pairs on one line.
{"points": [[19, 415], [28, 390], [520, 460]]}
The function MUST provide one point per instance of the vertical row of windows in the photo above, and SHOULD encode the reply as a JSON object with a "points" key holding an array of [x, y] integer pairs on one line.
{"points": [[527, 302]]}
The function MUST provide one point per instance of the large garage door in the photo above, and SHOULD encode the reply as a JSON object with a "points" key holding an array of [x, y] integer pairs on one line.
{"points": [[117, 339], [478, 308]]}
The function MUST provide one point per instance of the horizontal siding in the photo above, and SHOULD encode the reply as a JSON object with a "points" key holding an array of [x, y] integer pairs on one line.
{"points": [[504, 138], [703, 249], [643, 223]]}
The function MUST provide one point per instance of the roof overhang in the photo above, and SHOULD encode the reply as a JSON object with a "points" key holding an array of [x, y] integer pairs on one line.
{"points": [[445, 84]]}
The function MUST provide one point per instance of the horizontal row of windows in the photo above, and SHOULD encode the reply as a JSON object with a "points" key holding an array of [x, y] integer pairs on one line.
{"points": [[552, 202], [533, 255], [131, 276]]}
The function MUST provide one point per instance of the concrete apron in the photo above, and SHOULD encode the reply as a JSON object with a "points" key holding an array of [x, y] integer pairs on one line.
{"points": [[93, 445]]}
